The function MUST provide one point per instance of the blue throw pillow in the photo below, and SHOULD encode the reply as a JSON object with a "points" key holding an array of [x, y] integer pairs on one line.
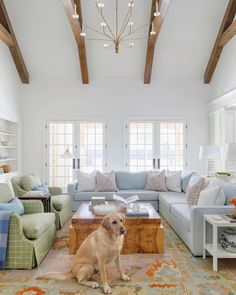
{"points": [[42, 188], [185, 178], [14, 206]]}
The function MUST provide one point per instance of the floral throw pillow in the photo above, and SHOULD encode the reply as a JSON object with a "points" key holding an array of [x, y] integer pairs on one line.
{"points": [[156, 181], [105, 182], [193, 190]]}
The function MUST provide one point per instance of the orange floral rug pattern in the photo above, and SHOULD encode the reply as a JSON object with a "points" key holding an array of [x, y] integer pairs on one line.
{"points": [[176, 272]]}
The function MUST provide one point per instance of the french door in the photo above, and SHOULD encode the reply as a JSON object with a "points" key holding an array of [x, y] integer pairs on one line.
{"points": [[73, 145], [155, 145]]}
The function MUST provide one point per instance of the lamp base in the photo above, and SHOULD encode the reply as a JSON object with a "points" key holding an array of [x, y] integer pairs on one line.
{"points": [[210, 168]]}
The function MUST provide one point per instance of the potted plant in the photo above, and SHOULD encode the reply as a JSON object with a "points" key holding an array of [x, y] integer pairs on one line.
{"points": [[233, 202]]}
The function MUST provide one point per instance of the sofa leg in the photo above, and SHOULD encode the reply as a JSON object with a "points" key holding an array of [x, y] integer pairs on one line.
{"points": [[160, 239]]}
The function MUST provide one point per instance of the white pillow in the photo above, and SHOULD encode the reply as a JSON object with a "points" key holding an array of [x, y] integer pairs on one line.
{"points": [[173, 181], [212, 195], [86, 181]]}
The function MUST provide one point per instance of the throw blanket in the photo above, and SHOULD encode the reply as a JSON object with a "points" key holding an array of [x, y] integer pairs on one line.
{"points": [[4, 225]]}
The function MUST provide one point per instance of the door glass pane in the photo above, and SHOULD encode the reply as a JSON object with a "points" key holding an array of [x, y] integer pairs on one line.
{"points": [[60, 164], [91, 138], [140, 146], [171, 146]]}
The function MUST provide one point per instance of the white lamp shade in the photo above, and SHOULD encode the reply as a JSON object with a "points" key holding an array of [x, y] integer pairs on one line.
{"points": [[209, 152], [230, 152], [66, 155]]}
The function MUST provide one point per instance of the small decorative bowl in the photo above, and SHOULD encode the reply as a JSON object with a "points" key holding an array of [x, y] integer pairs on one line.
{"points": [[104, 209], [228, 240]]}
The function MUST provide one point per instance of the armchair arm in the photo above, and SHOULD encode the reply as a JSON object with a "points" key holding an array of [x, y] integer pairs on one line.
{"points": [[196, 225], [71, 188], [53, 190], [15, 228], [32, 206]]}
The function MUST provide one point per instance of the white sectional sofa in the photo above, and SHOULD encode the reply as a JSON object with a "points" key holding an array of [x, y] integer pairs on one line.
{"points": [[187, 221]]}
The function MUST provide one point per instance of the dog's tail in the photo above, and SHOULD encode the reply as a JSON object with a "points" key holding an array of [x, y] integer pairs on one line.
{"points": [[60, 276]]}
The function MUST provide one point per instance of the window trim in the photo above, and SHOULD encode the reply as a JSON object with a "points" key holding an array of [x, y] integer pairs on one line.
{"points": [[155, 121]]}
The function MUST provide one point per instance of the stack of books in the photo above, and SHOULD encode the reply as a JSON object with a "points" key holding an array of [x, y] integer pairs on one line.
{"points": [[142, 211]]}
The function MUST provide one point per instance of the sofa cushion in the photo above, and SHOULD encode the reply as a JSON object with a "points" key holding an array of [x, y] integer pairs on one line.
{"points": [[60, 201], [34, 225], [169, 198], [228, 188], [131, 180], [144, 195], [194, 188], [27, 182], [173, 181], [185, 178], [212, 196], [182, 213], [105, 182], [86, 181], [6, 193], [156, 181], [86, 196]]}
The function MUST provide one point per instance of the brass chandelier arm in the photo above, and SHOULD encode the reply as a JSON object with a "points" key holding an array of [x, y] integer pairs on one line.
{"points": [[94, 30], [125, 19], [104, 32], [97, 39], [133, 39], [100, 12], [136, 30], [117, 20], [126, 23]]}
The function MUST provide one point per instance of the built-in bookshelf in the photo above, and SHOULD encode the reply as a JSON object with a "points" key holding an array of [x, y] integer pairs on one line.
{"points": [[8, 147]]}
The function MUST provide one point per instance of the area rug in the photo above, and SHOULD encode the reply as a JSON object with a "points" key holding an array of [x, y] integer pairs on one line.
{"points": [[174, 272]]}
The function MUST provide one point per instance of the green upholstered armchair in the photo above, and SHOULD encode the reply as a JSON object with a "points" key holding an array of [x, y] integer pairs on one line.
{"points": [[30, 235], [60, 204]]}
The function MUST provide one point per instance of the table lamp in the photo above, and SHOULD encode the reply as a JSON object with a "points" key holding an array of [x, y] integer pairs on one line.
{"points": [[210, 153]]}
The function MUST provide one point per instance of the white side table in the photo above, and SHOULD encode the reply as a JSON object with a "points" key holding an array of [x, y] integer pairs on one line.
{"points": [[214, 248]]}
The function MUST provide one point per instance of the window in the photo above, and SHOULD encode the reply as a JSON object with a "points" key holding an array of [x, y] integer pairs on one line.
{"points": [[91, 146], [140, 146], [85, 143], [171, 146], [60, 139], [155, 145]]}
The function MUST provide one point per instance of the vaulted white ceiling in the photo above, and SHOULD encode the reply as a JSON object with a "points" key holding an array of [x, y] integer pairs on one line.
{"points": [[183, 46]]}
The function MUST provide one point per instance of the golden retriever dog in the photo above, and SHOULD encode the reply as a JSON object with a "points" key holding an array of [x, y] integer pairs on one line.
{"points": [[97, 250]]}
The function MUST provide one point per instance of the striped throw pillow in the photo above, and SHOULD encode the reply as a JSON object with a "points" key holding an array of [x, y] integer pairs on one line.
{"points": [[193, 190], [156, 181]]}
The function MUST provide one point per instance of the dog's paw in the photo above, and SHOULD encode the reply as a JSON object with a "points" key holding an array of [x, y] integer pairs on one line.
{"points": [[94, 285], [124, 277], [107, 289]]}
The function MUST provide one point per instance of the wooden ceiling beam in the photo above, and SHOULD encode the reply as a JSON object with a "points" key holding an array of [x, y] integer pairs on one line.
{"points": [[7, 30], [228, 34], [152, 39], [76, 29], [5, 36], [221, 40]]}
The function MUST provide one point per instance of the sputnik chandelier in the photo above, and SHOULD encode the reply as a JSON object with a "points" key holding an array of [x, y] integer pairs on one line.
{"points": [[123, 34]]}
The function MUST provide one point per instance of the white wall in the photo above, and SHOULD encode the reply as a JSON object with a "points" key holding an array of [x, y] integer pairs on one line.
{"points": [[114, 100], [224, 78], [9, 86]]}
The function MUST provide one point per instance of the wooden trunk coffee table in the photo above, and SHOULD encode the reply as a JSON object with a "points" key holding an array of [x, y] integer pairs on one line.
{"points": [[144, 234]]}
